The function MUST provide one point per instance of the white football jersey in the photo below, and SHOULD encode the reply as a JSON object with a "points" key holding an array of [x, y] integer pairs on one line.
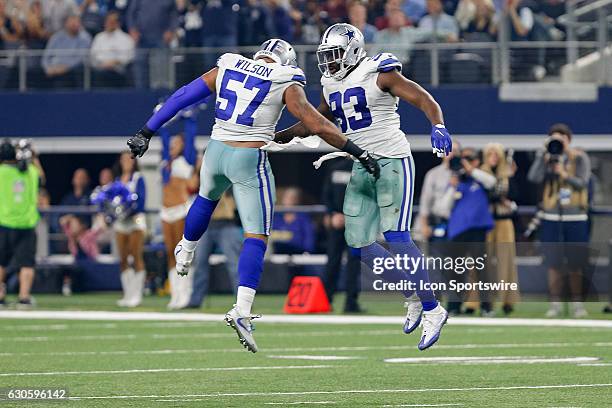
{"points": [[250, 97], [366, 114]]}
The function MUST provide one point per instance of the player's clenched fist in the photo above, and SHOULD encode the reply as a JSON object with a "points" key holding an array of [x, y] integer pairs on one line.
{"points": [[441, 142], [370, 164], [139, 143]]}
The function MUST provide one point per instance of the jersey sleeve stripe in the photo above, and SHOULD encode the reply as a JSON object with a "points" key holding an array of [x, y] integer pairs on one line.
{"points": [[299, 78], [388, 61], [389, 64]]}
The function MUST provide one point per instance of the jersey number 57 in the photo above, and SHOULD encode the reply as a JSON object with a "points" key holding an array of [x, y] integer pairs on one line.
{"points": [[249, 82]]}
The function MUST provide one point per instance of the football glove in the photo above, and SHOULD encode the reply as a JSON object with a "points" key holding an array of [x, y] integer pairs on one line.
{"points": [[364, 157], [441, 141], [139, 143], [370, 164]]}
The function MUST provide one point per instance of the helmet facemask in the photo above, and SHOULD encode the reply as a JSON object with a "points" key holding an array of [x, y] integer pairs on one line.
{"points": [[332, 61]]}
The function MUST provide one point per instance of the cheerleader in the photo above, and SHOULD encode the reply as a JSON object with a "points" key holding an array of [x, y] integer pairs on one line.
{"points": [[130, 226], [179, 182]]}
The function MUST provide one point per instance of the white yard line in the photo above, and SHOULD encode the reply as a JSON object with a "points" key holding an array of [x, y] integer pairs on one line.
{"points": [[206, 335], [315, 358], [490, 360], [316, 319], [297, 403], [162, 370], [468, 346], [425, 405], [203, 397]]}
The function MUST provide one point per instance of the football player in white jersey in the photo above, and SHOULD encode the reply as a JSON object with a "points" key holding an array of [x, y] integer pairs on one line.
{"points": [[251, 95], [362, 94]]}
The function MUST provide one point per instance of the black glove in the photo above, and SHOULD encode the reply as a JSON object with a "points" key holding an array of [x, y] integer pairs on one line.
{"points": [[139, 143], [370, 164], [366, 160]]}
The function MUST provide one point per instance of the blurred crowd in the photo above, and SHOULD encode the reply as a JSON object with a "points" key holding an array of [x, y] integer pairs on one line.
{"points": [[118, 34]]}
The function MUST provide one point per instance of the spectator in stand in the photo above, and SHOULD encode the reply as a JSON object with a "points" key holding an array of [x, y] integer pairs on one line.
{"points": [[398, 38], [255, 22], [336, 10], [415, 10], [82, 245], [191, 23], [111, 53], [82, 241], [152, 25], [64, 69], [476, 19], [521, 20], [563, 173], [382, 22], [358, 16], [312, 24], [220, 27], [283, 23], [11, 28], [10, 32], [501, 241], [55, 13], [437, 25], [105, 177], [35, 32], [293, 232], [80, 189], [121, 7], [450, 6], [334, 189], [92, 15]]}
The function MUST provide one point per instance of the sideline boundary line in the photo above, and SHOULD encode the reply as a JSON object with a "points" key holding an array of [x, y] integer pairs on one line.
{"points": [[312, 319]]}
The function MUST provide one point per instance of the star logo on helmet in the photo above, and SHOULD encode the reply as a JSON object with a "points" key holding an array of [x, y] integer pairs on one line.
{"points": [[350, 34]]}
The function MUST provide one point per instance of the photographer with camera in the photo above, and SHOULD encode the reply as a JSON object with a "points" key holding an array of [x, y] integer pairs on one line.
{"points": [[432, 221], [467, 202], [563, 173], [20, 174]]}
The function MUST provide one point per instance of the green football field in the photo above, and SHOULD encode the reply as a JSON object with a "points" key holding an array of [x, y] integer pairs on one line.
{"points": [[174, 361]]}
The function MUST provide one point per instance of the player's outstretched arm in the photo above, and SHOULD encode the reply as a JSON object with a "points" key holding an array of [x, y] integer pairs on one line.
{"points": [[398, 85], [300, 129], [198, 89], [317, 124]]}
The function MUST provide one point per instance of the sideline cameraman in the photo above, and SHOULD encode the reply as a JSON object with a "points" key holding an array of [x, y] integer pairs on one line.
{"points": [[20, 172], [466, 199], [563, 173]]}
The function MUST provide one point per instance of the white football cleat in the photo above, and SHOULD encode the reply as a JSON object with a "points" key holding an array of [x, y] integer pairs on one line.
{"points": [[578, 310], [433, 321], [414, 312], [555, 310], [184, 258], [243, 326]]}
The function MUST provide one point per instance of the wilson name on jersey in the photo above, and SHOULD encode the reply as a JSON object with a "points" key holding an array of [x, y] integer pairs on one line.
{"points": [[250, 97], [365, 113]]}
